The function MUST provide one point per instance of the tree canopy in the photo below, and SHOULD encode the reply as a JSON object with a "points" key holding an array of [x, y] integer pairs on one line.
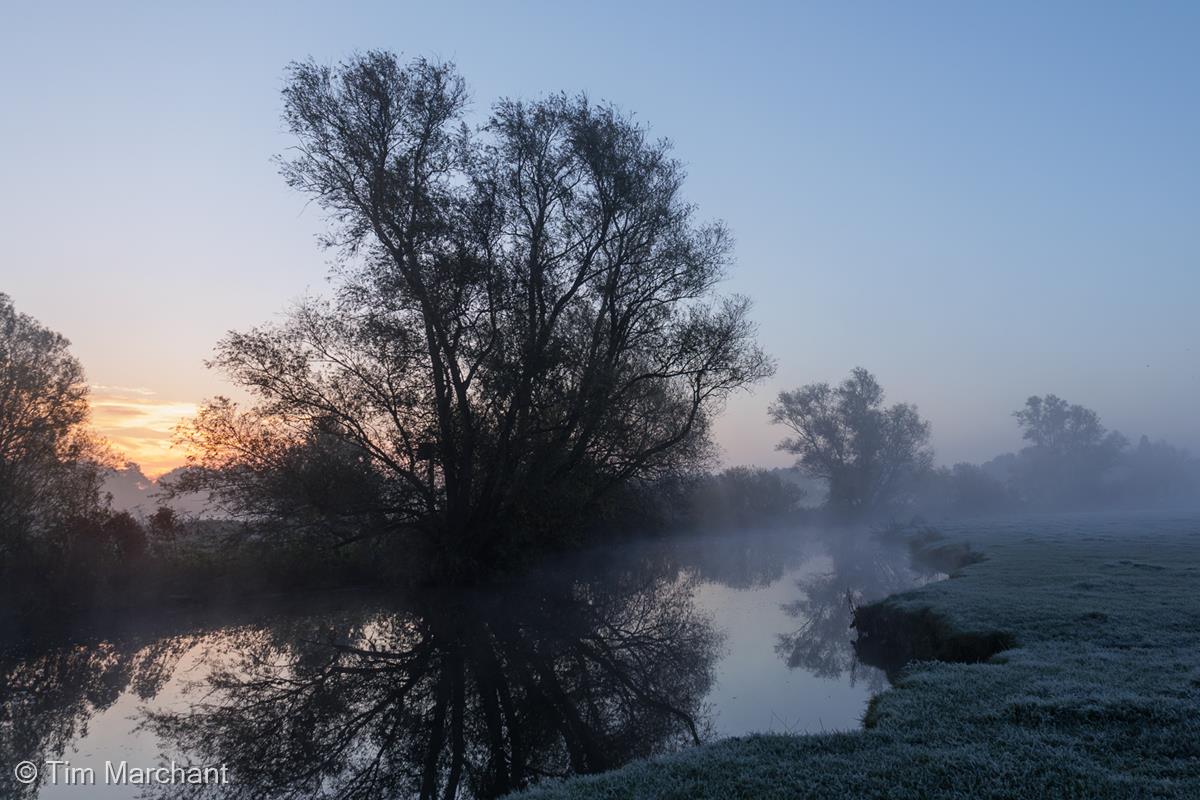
{"points": [[524, 313], [866, 451], [47, 470], [1070, 454]]}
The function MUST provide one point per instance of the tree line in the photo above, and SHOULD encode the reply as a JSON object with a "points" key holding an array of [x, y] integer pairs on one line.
{"points": [[876, 459], [524, 343]]}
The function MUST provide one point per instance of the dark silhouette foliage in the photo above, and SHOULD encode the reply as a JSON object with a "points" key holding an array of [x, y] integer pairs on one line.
{"points": [[49, 463], [524, 317]]}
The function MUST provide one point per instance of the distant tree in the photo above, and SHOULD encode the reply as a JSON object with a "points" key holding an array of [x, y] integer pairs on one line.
{"points": [[974, 490], [963, 489], [1157, 472], [1050, 422], [1070, 454], [741, 496], [108, 539], [163, 527], [525, 314], [48, 460], [867, 452]]}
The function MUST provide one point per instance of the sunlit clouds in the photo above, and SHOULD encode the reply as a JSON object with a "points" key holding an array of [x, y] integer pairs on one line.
{"points": [[140, 425]]}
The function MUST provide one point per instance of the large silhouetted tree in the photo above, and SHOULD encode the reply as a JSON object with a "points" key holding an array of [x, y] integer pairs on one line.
{"points": [[524, 315], [47, 468], [867, 452]]}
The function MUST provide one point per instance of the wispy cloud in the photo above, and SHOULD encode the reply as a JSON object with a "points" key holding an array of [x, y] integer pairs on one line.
{"points": [[139, 425], [123, 390]]}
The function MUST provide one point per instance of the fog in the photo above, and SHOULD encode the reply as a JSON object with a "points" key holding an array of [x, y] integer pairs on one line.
{"points": [[411, 400], [592, 660], [874, 457]]}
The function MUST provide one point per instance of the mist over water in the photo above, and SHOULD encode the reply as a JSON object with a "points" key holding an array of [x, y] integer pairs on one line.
{"points": [[627, 395], [619, 652]]}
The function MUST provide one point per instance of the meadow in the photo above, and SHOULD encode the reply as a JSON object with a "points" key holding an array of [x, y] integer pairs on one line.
{"points": [[1095, 697]]}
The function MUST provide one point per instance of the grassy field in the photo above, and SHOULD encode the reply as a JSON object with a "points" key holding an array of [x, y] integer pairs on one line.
{"points": [[1095, 696]]}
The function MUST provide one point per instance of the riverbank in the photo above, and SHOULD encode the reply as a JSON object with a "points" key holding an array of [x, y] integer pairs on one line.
{"points": [[1093, 695]]}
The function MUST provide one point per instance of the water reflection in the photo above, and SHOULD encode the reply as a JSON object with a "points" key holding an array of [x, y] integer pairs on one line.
{"points": [[47, 699], [863, 569], [622, 652], [484, 693]]}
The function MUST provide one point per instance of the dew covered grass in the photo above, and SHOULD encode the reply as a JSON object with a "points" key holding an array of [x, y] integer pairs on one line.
{"points": [[1095, 696]]}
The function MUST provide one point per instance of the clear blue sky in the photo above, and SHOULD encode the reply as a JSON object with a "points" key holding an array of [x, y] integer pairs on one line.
{"points": [[976, 202]]}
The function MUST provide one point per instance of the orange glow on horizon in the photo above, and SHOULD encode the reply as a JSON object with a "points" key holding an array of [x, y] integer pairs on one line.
{"points": [[139, 426]]}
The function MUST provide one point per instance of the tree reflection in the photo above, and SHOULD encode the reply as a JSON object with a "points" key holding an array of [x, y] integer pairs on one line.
{"points": [[580, 667], [478, 694], [864, 569], [48, 698]]}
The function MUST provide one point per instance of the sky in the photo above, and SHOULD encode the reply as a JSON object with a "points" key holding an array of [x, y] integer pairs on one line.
{"points": [[977, 202]]}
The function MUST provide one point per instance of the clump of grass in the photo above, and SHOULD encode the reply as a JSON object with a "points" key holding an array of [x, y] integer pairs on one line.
{"points": [[891, 636], [930, 548]]}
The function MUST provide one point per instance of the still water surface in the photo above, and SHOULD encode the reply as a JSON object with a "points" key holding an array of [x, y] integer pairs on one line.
{"points": [[617, 653]]}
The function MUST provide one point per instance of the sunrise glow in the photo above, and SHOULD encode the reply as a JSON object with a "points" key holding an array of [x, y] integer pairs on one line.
{"points": [[140, 425]]}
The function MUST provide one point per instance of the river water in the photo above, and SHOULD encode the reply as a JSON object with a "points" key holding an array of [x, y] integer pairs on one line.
{"points": [[616, 653]]}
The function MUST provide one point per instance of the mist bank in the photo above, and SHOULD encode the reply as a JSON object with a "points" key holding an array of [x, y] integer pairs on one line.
{"points": [[875, 460], [1054, 668], [523, 350]]}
